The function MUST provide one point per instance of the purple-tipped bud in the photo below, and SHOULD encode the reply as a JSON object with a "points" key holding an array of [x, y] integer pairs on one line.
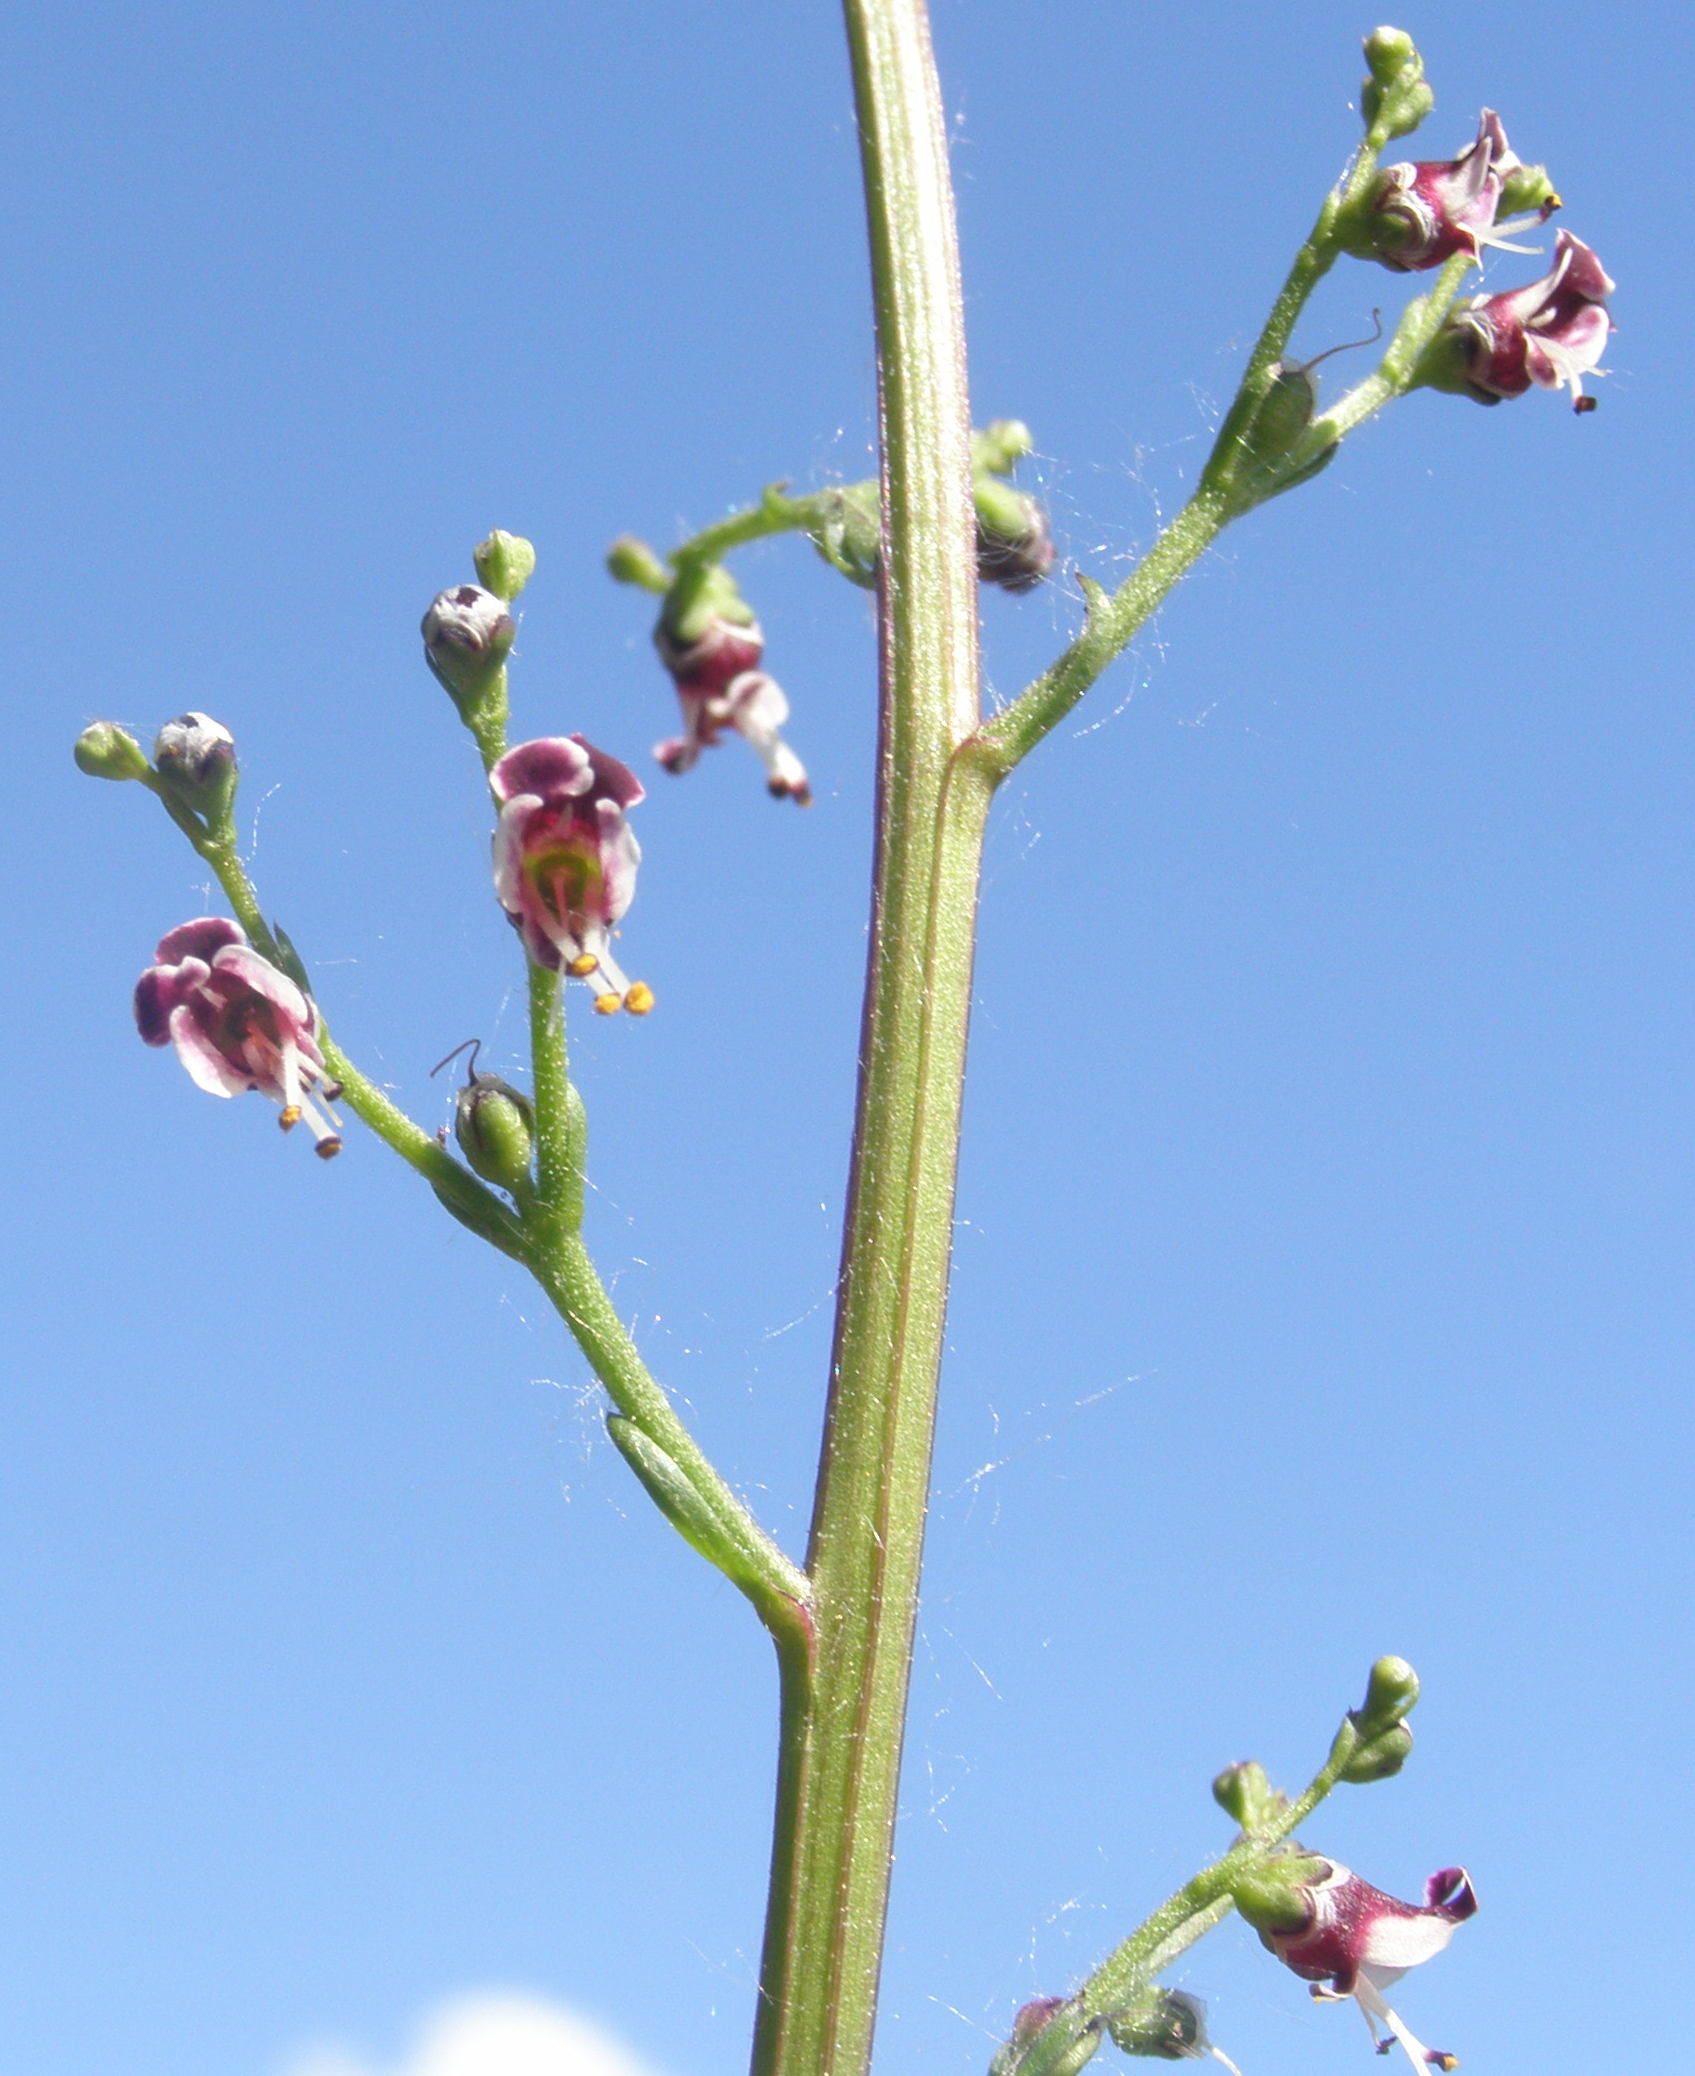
{"points": [[1050, 2037], [468, 634], [104, 750], [1014, 547], [195, 756]]}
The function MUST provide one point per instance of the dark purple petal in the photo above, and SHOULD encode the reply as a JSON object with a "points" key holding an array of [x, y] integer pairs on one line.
{"points": [[553, 766], [204, 938], [612, 780]]}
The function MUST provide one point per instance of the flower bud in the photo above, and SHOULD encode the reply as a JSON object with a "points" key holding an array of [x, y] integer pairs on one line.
{"points": [[1381, 1758], [1395, 97], [851, 537], [505, 562], [1000, 446], [633, 562], [1245, 1794], [1391, 1694], [1528, 187], [195, 756], [104, 750], [495, 1128], [1050, 2037], [468, 634], [1167, 2024], [1014, 548]]}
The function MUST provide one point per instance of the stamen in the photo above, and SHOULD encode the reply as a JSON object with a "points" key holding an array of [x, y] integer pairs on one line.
{"points": [[608, 1004], [638, 999], [582, 965], [289, 1116]]}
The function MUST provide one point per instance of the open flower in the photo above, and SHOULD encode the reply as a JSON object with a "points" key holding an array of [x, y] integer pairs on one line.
{"points": [[720, 685], [237, 1022], [1350, 1940], [565, 860], [1417, 216], [1551, 333]]}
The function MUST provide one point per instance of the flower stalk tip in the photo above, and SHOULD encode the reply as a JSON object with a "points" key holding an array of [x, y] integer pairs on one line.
{"points": [[238, 1023]]}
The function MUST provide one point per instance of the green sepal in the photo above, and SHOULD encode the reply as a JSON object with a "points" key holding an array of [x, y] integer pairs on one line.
{"points": [[1269, 1895], [478, 1208], [700, 596], [1163, 2024]]}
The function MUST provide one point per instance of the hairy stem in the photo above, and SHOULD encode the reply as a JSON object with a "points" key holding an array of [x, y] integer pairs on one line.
{"points": [[845, 1699]]}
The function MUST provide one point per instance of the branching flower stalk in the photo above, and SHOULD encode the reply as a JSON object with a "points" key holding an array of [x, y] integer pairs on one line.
{"points": [[234, 999]]}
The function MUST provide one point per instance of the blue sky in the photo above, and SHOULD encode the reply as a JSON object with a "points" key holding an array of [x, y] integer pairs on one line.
{"points": [[1323, 1277]]}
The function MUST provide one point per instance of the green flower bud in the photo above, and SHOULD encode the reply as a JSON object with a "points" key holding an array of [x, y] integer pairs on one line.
{"points": [[1390, 1694], [495, 1127], [1394, 97], [1528, 187], [1274, 427], [633, 562], [851, 538], [1381, 1759], [505, 563], [1000, 446], [1166, 2024], [195, 757], [104, 750], [1244, 1793]]}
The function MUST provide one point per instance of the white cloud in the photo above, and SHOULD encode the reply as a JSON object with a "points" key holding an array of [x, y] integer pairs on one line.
{"points": [[491, 2035]]}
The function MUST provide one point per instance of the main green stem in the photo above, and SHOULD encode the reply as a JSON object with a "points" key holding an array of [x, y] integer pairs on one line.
{"points": [[844, 1698]]}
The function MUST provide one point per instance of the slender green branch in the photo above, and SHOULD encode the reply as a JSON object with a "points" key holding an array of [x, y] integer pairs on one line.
{"points": [[775, 513], [844, 1702], [1111, 621], [560, 1124], [1201, 1902], [741, 1548]]}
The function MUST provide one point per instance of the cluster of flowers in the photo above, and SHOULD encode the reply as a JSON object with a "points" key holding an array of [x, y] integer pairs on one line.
{"points": [[1334, 1930], [1550, 333]]}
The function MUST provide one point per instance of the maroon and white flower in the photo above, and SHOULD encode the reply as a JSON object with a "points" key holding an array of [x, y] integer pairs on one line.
{"points": [[720, 685], [238, 1023], [565, 860], [1551, 333], [1420, 215], [1355, 1941]]}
